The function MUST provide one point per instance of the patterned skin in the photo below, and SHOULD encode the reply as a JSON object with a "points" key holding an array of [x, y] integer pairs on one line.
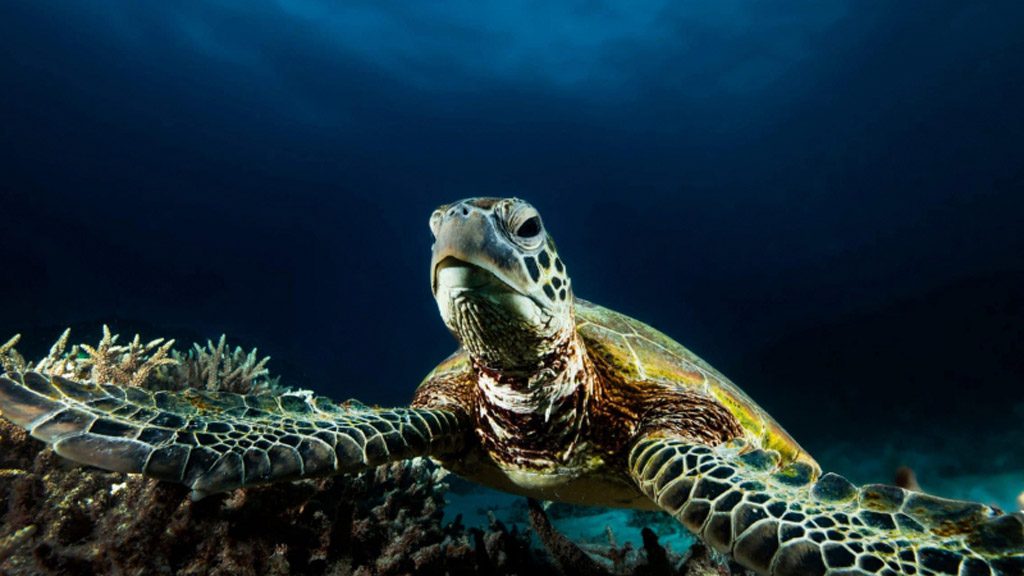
{"points": [[217, 441], [548, 396], [776, 519]]}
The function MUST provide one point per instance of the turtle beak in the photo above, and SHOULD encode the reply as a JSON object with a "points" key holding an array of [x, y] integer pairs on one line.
{"points": [[467, 250], [463, 276]]}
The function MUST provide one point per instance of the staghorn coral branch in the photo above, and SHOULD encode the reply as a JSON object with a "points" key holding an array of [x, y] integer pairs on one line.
{"points": [[9, 345], [214, 363], [220, 367], [56, 355], [10, 360], [131, 364]]}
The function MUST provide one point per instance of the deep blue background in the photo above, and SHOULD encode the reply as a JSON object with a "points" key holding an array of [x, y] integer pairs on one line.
{"points": [[822, 198]]}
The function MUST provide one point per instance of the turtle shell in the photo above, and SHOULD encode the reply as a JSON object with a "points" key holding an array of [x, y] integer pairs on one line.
{"points": [[631, 351]]}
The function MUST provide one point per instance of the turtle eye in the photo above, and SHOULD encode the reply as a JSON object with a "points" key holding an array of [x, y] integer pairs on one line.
{"points": [[522, 223], [529, 229]]}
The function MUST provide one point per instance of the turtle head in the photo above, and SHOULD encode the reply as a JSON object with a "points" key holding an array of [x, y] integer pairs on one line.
{"points": [[499, 283]]}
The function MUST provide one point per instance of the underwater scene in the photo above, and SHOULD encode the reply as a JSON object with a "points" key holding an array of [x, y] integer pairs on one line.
{"points": [[385, 288]]}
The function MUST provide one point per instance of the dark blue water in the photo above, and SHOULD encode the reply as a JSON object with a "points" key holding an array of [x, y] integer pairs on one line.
{"points": [[824, 199]]}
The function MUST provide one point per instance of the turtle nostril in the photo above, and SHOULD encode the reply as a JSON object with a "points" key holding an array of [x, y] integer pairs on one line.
{"points": [[465, 211]]}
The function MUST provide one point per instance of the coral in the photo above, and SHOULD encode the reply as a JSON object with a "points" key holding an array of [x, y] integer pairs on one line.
{"points": [[10, 360], [218, 367], [131, 364], [63, 519]]}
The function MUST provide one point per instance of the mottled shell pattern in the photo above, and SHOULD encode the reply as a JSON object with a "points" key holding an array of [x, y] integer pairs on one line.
{"points": [[637, 353]]}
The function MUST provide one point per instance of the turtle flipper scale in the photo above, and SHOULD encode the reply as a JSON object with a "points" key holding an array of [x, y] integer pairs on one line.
{"points": [[217, 441], [778, 521]]}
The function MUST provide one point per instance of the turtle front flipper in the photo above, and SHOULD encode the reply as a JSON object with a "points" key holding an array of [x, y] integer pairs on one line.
{"points": [[217, 441], [778, 521]]}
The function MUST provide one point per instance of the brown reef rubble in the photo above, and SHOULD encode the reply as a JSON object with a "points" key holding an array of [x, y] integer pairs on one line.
{"points": [[62, 518]]}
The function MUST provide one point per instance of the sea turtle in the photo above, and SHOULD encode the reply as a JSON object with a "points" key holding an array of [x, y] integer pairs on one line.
{"points": [[551, 397]]}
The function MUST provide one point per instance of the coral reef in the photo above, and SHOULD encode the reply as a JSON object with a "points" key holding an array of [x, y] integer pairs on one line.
{"points": [[61, 518], [154, 365], [64, 519]]}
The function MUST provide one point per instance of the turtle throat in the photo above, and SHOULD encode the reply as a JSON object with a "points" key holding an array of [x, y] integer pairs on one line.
{"points": [[504, 330], [535, 423]]}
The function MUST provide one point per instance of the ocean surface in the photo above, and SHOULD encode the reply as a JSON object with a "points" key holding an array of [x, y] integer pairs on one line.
{"points": [[822, 199]]}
